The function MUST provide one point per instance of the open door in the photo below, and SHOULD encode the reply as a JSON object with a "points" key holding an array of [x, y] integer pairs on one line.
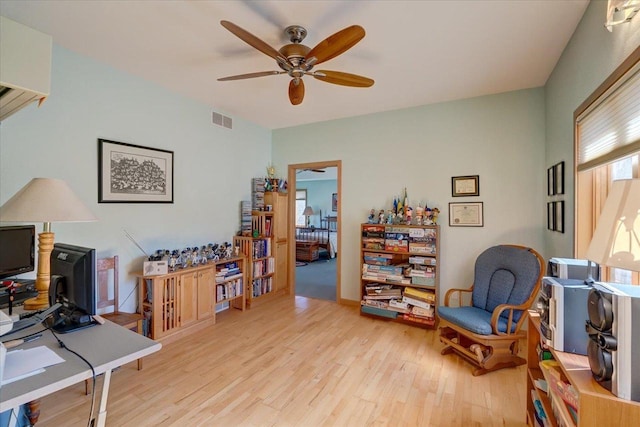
{"points": [[315, 228]]}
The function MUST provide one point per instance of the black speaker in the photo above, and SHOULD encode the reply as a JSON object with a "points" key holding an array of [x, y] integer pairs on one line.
{"points": [[614, 344]]}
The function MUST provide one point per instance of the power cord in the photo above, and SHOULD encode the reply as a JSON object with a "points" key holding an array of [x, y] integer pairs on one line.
{"points": [[91, 421]]}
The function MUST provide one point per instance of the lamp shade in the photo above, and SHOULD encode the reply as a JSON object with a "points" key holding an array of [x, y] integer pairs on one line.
{"points": [[308, 211], [45, 200], [615, 242]]}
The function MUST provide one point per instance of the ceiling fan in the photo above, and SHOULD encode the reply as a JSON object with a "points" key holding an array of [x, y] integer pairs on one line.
{"points": [[311, 170], [297, 60]]}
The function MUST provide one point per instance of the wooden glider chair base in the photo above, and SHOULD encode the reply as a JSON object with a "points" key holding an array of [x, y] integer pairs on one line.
{"points": [[487, 333]]}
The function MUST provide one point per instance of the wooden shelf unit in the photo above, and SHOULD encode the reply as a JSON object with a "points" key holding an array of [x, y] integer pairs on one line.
{"points": [[423, 244], [175, 301], [266, 251], [597, 406]]}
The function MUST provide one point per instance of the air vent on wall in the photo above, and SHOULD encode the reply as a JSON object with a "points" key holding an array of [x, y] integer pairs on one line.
{"points": [[224, 121]]}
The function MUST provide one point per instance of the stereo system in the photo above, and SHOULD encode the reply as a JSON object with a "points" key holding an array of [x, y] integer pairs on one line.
{"points": [[614, 345], [562, 305], [569, 268]]}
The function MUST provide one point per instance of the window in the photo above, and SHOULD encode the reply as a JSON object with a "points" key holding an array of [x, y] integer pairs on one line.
{"points": [[608, 148], [301, 203]]}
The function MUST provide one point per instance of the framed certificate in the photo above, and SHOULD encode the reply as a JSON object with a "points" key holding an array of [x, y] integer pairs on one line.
{"points": [[465, 186], [466, 215]]}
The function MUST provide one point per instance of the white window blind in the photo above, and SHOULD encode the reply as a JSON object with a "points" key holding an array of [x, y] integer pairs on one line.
{"points": [[610, 127]]}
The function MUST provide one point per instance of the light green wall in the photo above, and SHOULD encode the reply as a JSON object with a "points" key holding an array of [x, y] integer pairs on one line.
{"points": [[590, 57], [499, 137], [213, 165]]}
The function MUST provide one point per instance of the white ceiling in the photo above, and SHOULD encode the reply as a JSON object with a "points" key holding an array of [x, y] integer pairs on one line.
{"points": [[418, 52]]}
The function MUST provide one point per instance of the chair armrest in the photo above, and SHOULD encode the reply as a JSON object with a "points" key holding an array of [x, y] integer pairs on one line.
{"points": [[497, 312], [459, 291]]}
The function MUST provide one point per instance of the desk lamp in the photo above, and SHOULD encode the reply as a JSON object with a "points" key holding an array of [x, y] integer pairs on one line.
{"points": [[308, 211], [616, 240], [44, 200]]}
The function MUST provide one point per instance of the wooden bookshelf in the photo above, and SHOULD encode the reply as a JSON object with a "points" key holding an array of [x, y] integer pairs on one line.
{"points": [[266, 250], [413, 264], [187, 297], [596, 405]]}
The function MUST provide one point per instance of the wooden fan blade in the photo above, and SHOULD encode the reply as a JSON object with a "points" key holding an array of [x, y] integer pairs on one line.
{"points": [[250, 75], [335, 44], [344, 79], [254, 41], [296, 91]]}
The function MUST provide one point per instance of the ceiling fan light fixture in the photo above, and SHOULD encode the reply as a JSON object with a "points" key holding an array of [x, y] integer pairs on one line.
{"points": [[296, 59]]}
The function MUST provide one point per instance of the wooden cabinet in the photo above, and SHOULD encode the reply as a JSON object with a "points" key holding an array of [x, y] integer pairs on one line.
{"points": [[400, 272], [596, 406], [279, 201], [266, 251], [188, 297]]}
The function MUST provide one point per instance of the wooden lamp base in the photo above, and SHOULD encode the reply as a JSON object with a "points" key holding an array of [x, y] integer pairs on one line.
{"points": [[43, 278]]}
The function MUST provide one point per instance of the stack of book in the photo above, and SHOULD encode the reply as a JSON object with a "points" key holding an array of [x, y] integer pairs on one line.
{"points": [[385, 273], [245, 218], [422, 241], [374, 258], [423, 271], [373, 237], [229, 271], [383, 300], [422, 305], [257, 193], [396, 239]]}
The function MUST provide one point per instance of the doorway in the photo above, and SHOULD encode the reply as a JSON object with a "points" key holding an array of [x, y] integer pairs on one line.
{"points": [[315, 229]]}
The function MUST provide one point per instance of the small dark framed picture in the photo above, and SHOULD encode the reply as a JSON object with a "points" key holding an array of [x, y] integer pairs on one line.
{"points": [[462, 186], [334, 202], [130, 173], [558, 177], [551, 181], [559, 216], [551, 216]]}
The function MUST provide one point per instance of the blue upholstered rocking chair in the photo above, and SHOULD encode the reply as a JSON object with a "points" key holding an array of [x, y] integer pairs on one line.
{"points": [[486, 333]]}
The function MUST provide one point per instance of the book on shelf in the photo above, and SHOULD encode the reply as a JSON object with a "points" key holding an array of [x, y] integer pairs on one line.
{"points": [[385, 292], [395, 245], [416, 302], [415, 319], [373, 228], [423, 295], [420, 260], [428, 313]]}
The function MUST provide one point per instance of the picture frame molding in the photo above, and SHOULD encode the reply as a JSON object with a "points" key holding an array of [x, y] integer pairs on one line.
{"points": [[466, 214], [163, 159], [558, 178], [465, 186]]}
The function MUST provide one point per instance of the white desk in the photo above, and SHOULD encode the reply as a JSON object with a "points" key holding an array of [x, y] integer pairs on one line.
{"points": [[105, 346]]}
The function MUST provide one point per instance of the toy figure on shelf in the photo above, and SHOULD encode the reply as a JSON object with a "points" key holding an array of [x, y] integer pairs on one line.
{"points": [[409, 213], [390, 216], [419, 214], [381, 216], [434, 215], [372, 216]]}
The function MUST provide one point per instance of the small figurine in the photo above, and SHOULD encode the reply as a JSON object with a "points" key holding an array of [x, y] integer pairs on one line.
{"points": [[435, 212], [409, 213], [419, 214], [381, 216], [390, 216], [372, 216]]}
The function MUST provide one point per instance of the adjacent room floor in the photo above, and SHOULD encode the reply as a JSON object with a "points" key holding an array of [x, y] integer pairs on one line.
{"points": [[317, 279]]}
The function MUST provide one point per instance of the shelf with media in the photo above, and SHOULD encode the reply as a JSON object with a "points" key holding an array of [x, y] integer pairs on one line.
{"points": [[561, 389], [400, 273], [191, 296]]}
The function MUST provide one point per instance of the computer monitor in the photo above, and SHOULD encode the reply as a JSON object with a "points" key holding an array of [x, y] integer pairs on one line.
{"points": [[17, 250], [73, 284]]}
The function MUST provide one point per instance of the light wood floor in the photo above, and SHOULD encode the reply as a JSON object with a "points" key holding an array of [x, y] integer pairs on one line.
{"points": [[301, 362]]}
